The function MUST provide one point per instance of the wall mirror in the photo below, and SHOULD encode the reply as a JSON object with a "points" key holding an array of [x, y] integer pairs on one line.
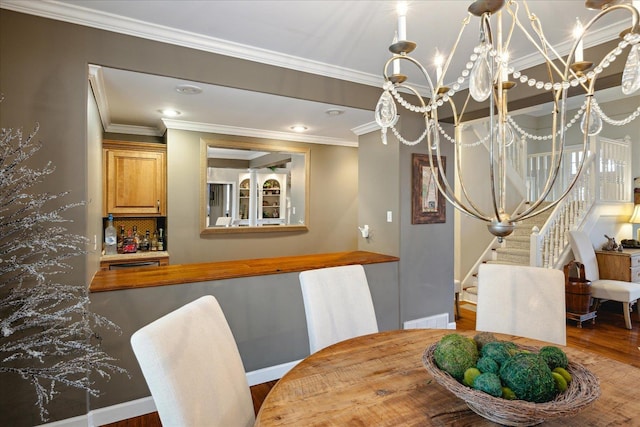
{"points": [[253, 188]]}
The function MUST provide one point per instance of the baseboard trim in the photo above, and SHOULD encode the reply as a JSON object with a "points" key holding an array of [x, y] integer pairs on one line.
{"points": [[145, 405], [270, 373], [121, 411]]}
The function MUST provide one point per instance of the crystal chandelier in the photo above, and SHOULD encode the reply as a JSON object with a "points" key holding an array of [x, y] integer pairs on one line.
{"points": [[490, 77]]}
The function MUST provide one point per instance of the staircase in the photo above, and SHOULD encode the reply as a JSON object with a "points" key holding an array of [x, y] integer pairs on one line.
{"points": [[514, 250], [542, 240]]}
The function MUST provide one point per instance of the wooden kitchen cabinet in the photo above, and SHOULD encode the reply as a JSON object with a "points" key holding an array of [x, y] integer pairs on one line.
{"points": [[134, 179]]}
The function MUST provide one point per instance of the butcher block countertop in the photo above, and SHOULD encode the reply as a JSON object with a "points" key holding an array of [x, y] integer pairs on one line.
{"points": [[133, 278]]}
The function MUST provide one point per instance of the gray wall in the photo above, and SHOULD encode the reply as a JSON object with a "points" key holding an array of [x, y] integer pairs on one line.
{"points": [[426, 250], [378, 193]]}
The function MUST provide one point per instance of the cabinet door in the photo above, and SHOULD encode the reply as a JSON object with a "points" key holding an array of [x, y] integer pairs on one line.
{"points": [[135, 182]]}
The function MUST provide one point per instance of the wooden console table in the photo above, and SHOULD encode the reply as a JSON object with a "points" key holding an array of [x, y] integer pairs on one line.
{"points": [[623, 265]]}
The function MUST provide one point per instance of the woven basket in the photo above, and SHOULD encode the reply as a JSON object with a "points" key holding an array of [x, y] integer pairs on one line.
{"points": [[582, 391]]}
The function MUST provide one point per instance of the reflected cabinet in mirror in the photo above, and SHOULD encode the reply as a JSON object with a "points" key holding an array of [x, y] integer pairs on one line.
{"points": [[248, 187]]}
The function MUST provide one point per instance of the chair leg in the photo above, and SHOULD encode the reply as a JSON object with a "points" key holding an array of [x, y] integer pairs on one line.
{"points": [[626, 308]]}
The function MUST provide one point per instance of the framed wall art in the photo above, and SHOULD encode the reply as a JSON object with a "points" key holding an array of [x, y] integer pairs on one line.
{"points": [[428, 204]]}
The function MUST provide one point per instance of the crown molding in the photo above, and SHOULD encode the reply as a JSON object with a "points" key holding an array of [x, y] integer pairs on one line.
{"points": [[591, 38], [134, 130], [366, 128], [96, 80], [106, 21], [66, 12], [255, 133]]}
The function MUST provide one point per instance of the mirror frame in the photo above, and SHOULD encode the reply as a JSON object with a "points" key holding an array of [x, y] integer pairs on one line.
{"points": [[204, 230]]}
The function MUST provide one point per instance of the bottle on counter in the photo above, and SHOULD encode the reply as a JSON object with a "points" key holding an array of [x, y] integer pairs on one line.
{"points": [[121, 239], [110, 238], [145, 244], [154, 241], [136, 237], [129, 245], [160, 241]]}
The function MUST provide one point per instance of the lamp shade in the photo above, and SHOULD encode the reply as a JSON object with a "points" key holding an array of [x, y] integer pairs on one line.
{"points": [[635, 216]]}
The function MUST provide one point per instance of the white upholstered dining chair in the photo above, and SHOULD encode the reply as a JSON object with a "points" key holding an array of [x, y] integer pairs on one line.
{"points": [[337, 305], [603, 289], [192, 366], [524, 301]]}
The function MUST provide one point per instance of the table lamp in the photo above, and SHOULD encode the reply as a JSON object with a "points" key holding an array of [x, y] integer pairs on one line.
{"points": [[635, 219]]}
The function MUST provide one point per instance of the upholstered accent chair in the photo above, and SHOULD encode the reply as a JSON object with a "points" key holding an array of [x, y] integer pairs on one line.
{"points": [[521, 300], [627, 293], [192, 366], [337, 304]]}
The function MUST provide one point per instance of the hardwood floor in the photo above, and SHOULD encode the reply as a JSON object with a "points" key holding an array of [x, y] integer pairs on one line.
{"points": [[607, 337]]}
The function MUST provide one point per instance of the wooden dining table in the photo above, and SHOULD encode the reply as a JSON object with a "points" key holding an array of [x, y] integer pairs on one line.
{"points": [[380, 380]]}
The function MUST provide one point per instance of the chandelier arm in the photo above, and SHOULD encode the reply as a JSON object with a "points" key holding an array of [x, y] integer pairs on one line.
{"points": [[513, 19], [500, 94], [582, 160], [450, 196], [556, 159], [492, 142], [464, 106], [476, 209], [635, 18], [536, 25], [547, 59], [465, 22], [569, 187], [448, 192], [422, 70], [485, 28]]}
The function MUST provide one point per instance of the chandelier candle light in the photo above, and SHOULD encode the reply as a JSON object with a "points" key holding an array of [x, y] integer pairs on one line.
{"points": [[487, 74]]}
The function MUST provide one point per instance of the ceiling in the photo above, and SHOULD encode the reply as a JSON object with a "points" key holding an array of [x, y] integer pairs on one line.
{"points": [[342, 39]]}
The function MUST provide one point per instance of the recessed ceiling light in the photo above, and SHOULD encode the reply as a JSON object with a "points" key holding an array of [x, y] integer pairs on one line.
{"points": [[334, 111], [170, 112], [298, 128], [188, 89]]}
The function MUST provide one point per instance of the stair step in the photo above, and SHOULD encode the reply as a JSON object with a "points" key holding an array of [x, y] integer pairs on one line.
{"points": [[470, 294], [512, 251], [522, 231], [518, 242], [514, 255]]}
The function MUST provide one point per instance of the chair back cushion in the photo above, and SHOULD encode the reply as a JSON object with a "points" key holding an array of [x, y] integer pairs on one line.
{"points": [[524, 301], [192, 366], [583, 252], [337, 304]]}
